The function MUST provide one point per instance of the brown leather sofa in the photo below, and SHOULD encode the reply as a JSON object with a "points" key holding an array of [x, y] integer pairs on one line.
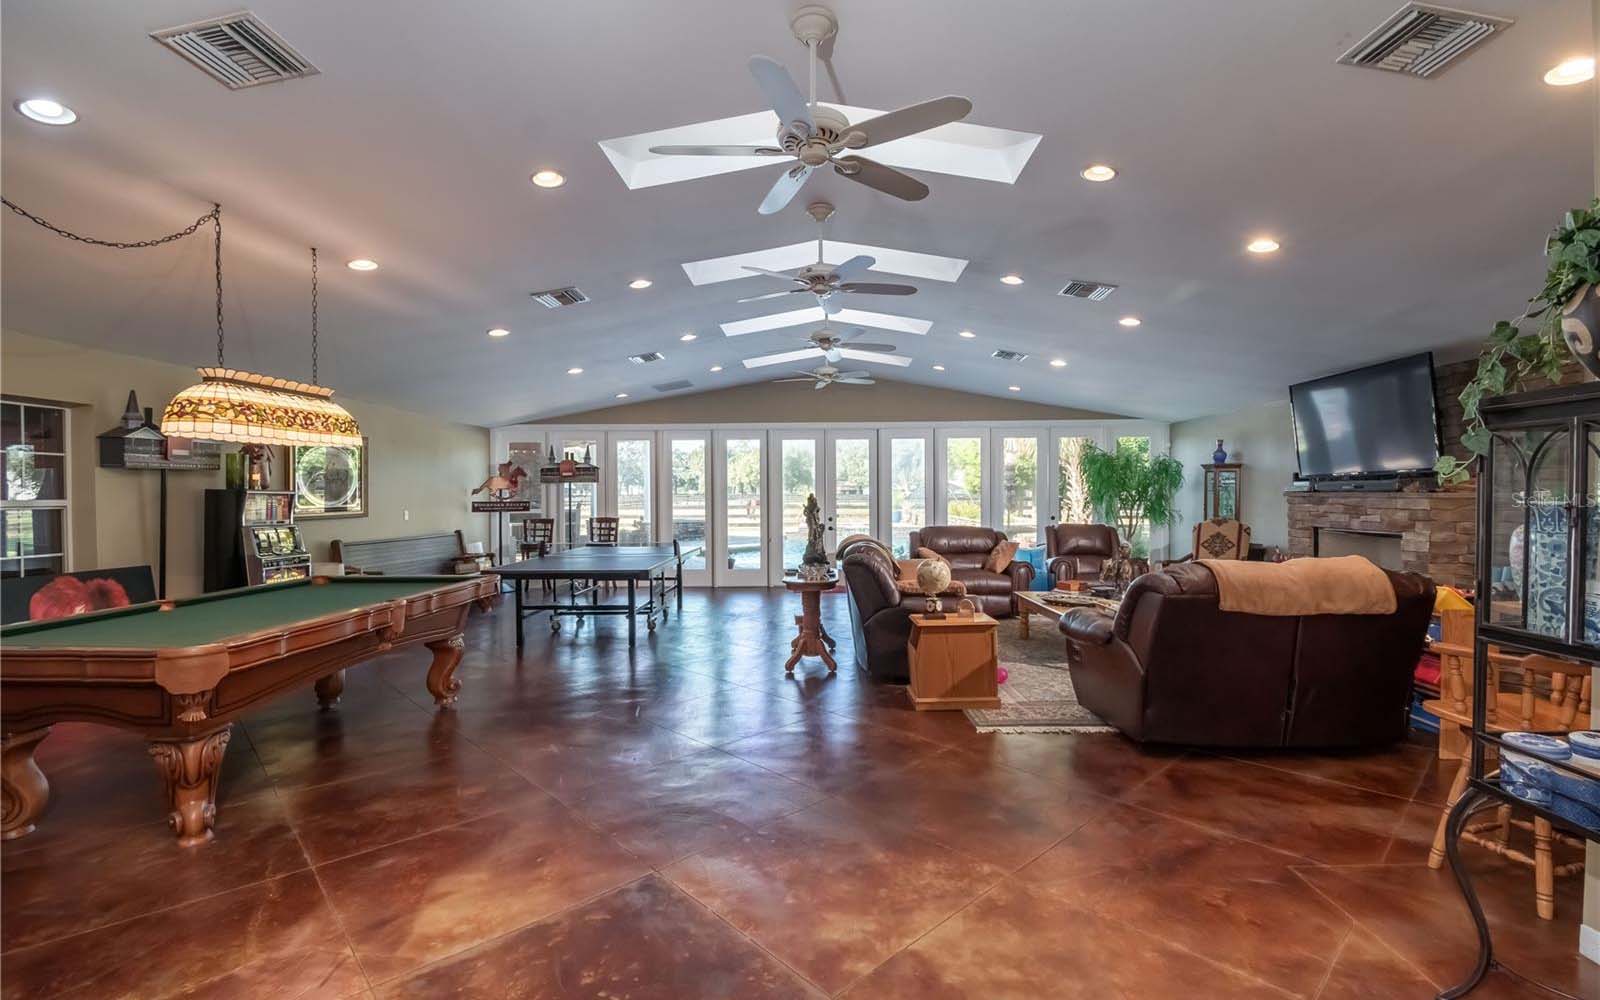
{"points": [[1078, 551], [965, 549], [880, 611], [1171, 667]]}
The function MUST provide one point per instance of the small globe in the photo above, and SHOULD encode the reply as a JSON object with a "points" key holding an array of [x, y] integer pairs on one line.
{"points": [[933, 576]]}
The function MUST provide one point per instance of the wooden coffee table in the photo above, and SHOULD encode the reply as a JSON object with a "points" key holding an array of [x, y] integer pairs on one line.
{"points": [[1032, 602]]}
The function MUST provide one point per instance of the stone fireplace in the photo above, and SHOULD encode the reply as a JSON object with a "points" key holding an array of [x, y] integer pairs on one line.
{"points": [[1434, 530]]}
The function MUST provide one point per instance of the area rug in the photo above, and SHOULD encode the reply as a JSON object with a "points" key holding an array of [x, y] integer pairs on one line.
{"points": [[1037, 696]]}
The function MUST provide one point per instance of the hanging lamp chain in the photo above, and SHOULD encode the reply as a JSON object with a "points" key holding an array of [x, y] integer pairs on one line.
{"points": [[216, 220], [314, 316]]}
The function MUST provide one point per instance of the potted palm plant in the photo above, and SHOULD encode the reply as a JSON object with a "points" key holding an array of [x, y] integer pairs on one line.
{"points": [[1128, 487]]}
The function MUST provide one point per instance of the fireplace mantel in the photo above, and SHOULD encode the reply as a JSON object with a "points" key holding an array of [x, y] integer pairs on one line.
{"points": [[1436, 529]]}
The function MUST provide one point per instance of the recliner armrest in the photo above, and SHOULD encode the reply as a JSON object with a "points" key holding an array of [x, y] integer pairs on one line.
{"points": [[1087, 625], [1021, 574]]}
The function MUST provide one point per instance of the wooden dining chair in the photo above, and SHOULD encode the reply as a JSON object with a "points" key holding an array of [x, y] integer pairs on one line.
{"points": [[604, 530], [538, 534], [1549, 695]]}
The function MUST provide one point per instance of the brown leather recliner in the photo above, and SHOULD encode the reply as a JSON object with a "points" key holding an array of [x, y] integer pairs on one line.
{"points": [[1078, 551], [1171, 667], [880, 612], [965, 549]]}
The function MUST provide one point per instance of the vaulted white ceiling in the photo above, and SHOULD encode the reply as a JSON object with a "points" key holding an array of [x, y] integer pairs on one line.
{"points": [[1410, 211]]}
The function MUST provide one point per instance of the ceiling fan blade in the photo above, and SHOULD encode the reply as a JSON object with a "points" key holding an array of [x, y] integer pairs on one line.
{"points": [[785, 275], [808, 378], [877, 288], [717, 151], [829, 304], [877, 359], [885, 179], [853, 375], [855, 345], [771, 295], [831, 355], [854, 266], [784, 358], [779, 88], [821, 385], [913, 119], [787, 186]]}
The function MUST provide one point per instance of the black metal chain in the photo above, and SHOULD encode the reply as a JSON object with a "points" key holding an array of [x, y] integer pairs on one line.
{"points": [[313, 315], [214, 216]]}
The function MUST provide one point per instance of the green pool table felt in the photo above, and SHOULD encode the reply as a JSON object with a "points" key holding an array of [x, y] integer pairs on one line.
{"points": [[213, 619]]}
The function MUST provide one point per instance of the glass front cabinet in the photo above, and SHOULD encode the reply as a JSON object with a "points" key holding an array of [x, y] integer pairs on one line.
{"points": [[1222, 487]]}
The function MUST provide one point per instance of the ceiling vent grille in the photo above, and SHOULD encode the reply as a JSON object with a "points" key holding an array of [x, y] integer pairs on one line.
{"points": [[681, 383], [1007, 355], [1094, 291], [645, 359], [555, 298], [1420, 39], [236, 50]]}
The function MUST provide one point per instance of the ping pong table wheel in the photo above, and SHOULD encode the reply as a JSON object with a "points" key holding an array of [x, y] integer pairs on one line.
{"points": [[555, 624], [650, 625]]}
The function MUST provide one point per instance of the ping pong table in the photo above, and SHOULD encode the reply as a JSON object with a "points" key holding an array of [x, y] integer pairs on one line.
{"points": [[585, 569]]}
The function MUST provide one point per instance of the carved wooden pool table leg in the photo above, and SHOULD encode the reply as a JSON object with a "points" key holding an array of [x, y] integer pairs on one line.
{"points": [[329, 689], [442, 683], [25, 790], [189, 770]]}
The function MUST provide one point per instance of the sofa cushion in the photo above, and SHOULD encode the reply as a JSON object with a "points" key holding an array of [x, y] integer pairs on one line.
{"points": [[980, 581], [927, 553], [1001, 557]]}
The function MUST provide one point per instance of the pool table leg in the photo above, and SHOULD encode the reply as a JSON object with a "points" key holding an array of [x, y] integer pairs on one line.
{"points": [[24, 786], [190, 769], [442, 683], [329, 689]]}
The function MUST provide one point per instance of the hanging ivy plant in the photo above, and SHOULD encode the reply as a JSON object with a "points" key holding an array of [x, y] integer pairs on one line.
{"points": [[1511, 357]]}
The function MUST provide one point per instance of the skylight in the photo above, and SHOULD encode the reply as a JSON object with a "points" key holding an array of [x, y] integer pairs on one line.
{"points": [[844, 317]]}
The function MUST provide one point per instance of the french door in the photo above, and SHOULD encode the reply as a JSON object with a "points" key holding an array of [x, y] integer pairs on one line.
{"points": [[739, 538], [684, 495], [905, 485], [838, 467]]}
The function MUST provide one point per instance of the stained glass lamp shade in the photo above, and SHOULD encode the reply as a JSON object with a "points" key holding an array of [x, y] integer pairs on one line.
{"points": [[245, 408]]}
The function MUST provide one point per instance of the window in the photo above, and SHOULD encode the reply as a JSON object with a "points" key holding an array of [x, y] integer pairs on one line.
{"points": [[742, 527], [908, 491], [1071, 492], [799, 458], [633, 492], [1140, 542], [963, 481], [689, 497], [577, 500], [852, 487], [1021, 481], [33, 495]]}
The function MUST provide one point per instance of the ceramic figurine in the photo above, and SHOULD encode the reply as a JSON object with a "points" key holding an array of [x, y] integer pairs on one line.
{"points": [[815, 554]]}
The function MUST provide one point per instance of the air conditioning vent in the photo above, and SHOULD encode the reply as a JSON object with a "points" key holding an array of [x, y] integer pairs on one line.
{"points": [[1094, 291], [1006, 355], [555, 298], [1421, 39], [645, 359], [681, 383], [236, 50]]}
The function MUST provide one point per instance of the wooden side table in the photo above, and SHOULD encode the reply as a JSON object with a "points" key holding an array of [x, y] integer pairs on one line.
{"points": [[813, 639], [953, 662]]}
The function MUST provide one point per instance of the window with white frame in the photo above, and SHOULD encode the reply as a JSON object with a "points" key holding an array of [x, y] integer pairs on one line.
{"points": [[33, 489]]}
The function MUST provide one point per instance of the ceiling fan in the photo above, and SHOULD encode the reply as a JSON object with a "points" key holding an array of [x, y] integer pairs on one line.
{"points": [[814, 135], [828, 280], [826, 375], [831, 348]]}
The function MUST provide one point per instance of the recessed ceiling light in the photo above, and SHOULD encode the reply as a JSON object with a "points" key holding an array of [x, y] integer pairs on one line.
{"points": [[1098, 172], [1058, 362], [499, 331], [938, 368], [622, 395], [1130, 321], [1014, 388], [1011, 279], [548, 179], [574, 371], [716, 368], [362, 264], [638, 284], [966, 335], [1578, 69], [1262, 244], [687, 337], [42, 109]]}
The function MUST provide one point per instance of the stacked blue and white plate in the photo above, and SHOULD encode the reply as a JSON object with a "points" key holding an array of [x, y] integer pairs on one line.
{"points": [[1526, 773]]}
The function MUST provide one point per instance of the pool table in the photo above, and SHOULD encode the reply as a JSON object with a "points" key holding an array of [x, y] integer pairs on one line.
{"points": [[181, 672]]}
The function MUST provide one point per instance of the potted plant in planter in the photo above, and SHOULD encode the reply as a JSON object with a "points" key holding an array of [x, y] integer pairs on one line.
{"points": [[1129, 486], [1568, 311]]}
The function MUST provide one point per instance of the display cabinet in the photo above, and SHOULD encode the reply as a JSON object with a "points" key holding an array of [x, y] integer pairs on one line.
{"points": [[1539, 604], [1223, 485]]}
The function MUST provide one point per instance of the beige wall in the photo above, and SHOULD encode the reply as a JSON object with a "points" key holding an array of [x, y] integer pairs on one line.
{"points": [[1262, 437], [766, 403], [419, 465]]}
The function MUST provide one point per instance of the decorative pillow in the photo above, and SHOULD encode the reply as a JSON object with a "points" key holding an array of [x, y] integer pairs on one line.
{"points": [[1000, 557], [907, 568], [927, 553]]}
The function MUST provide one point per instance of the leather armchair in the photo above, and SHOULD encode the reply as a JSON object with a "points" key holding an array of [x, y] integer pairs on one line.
{"points": [[880, 611], [1170, 667], [966, 549], [1078, 551]]}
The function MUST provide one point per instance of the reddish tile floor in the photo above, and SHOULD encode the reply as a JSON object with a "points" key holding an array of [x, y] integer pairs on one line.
{"points": [[684, 821]]}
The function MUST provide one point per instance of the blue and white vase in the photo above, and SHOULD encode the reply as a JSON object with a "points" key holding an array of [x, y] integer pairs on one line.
{"points": [[1220, 455]]}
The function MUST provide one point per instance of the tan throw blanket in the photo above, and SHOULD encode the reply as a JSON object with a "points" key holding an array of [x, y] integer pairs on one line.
{"points": [[1345, 585]]}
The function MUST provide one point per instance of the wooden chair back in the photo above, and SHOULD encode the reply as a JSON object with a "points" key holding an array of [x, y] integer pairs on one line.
{"points": [[1551, 693], [1221, 538], [604, 530]]}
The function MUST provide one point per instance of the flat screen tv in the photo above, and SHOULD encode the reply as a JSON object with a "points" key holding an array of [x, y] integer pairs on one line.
{"points": [[1374, 421]]}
